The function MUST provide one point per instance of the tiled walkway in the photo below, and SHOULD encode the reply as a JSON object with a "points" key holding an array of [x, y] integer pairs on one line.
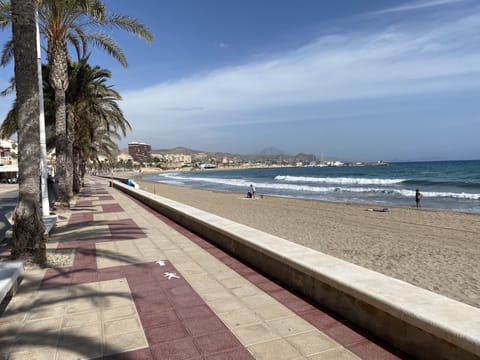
{"points": [[142, 287]]}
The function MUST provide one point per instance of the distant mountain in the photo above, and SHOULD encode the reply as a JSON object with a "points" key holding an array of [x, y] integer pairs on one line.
{"points": [[269, 154], [177, 150], [271, 150]]}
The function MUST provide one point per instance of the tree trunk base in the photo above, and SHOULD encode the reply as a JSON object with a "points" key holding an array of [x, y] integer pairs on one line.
{"points": [[29, 233]]}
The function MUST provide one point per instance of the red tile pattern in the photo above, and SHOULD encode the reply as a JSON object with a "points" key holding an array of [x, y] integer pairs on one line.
{"points": [[353, 339], [109, 208], [176, 321]]}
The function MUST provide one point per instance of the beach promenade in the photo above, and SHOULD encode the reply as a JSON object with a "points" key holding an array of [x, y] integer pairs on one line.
{"points": [[127, 283]]}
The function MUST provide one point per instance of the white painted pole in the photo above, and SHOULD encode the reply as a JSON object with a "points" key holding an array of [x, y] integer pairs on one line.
{"points": [[43, 145]]}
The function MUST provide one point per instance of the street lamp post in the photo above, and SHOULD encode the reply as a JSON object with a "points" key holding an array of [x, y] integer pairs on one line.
{"points": [[43, 146]]}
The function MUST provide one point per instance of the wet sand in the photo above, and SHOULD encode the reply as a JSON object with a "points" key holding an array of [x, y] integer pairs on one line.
{"points": [[436, 250]]}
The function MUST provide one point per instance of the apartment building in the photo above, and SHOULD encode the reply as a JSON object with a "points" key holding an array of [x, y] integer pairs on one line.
{"points": [[8, 161], [140, 152]]}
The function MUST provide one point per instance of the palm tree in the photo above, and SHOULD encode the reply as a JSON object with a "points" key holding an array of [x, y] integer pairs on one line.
{"points": [[96, 118], [93, 111], [28, 228], [71, 21], [68, 21]]}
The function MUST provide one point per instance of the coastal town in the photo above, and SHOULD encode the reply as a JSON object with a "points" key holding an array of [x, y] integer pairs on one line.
{"points": [[141, 154]]}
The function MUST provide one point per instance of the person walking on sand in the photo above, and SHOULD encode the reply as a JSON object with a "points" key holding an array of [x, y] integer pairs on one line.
{"points": [[418, 197], [252, 190]]}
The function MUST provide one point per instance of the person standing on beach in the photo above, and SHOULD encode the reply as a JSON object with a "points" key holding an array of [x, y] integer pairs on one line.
{"points": [[252, 190], [418, 197]]}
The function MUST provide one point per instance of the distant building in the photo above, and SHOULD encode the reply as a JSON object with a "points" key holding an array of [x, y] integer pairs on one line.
{"points": [[140, 152], [124, 157], [178, 158], [8, 160]]}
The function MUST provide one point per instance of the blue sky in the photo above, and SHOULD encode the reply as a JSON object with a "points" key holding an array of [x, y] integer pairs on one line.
{"points": [[354, 80]]}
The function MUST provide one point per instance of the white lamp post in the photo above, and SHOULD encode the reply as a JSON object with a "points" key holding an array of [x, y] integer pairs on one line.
{"points": [[48, 221]]}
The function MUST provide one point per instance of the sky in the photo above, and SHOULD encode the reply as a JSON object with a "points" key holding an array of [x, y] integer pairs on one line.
{"points": [[392, 80]]}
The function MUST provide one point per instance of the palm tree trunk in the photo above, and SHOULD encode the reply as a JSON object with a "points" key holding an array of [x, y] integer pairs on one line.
{"points": [[57, 57], [70, 163], [61, 148], [28, 229], [83, 169], [76, 170]]}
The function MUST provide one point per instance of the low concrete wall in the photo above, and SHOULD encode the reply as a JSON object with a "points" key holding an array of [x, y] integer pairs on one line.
{"points": [[421, 323]]}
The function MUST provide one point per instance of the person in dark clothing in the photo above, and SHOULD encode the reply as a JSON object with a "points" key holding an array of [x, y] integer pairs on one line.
{"points": [[418, 198]]}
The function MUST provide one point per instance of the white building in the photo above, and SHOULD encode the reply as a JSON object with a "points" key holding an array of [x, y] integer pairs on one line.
{"points": [[8, 160]]}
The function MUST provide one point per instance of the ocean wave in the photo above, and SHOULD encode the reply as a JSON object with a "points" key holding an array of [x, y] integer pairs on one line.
{"points": [[297, 189], [339, 180], [213, 180], [174, 182], [462, 184]]}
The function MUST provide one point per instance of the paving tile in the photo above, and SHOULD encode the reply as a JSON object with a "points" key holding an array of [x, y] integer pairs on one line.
{"points": [[158, 305], [108, 208], [258, 300], [188, 301], [120, 326], [289, 326], [81, 334], [311, 343], [179, 349], [235, 354], [278, 349], [159, 319], [345, 335], [241, 317], [291, 301], [272, 311], [371, 351], [45, 312], [335, 354], [142, 354], [118, 343], [83, 232], [246, 291], [117, 285], [81, 305], [221, 306], [35, 354], [118, 312], [203, 325], [213, 343], [198, 311], [320, 320], [253, 334], [80, 319], [166, 333], [180, 290]]}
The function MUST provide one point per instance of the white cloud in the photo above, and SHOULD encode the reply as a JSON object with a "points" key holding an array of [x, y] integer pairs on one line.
{"points": [[399, 60], [418, 5]]}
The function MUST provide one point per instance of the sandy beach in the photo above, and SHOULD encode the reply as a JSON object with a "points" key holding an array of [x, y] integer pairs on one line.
{"points": [[436, 250]]}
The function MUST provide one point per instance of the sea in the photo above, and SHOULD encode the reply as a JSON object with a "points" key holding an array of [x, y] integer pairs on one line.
{"points": [[445, 185]]}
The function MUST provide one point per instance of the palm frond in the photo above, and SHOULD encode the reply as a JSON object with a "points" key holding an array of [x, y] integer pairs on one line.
{"points": [[7, 53], [5, 14], [108, 44], [10, 89], [129, 24], [9, 125]]}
